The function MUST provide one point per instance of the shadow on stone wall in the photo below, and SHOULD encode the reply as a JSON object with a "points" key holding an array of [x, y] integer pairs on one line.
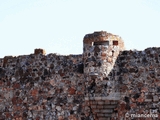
{"points": [[132, 87], [137, 80]]}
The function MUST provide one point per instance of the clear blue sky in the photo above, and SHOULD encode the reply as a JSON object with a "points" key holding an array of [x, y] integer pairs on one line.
{"points": [[58, 26]]}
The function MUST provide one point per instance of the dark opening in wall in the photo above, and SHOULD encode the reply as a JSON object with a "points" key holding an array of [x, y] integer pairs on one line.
{"points": [[115, 42], [106, 43], [80, 68]]}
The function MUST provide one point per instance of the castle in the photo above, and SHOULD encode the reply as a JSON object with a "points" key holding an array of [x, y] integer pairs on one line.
{"points": [[106, 82]]}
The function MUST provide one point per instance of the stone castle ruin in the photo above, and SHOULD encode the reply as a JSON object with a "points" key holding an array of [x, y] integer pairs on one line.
{"points": [[106, 82]]}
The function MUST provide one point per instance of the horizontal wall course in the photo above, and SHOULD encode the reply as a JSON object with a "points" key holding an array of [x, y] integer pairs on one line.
{"points": [[100, 102], [106, 110], [96, 110], [100, 115], [107, 102], [108, 115], [100, 106], [93, 106], [109, 106], [104, 118]]}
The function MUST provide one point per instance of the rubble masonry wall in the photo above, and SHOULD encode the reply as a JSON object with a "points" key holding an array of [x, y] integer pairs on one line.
{"points": [[53, 87], [41, 87]]}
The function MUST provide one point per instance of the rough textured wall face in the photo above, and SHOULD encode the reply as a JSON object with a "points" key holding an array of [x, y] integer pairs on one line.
{"points": [[101, 50], [103, 36], [139, 82], [42, 87], [104, 83], [136, 88]]}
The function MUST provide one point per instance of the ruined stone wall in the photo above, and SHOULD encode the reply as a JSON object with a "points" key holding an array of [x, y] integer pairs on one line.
{"points": [[54, 87], [100, 54], [41, 87], [121, 78], [104, 83], [136, 78], [139, 82]]}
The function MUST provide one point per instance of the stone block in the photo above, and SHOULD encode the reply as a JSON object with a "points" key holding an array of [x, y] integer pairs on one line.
{"points": [[140, 100], [107, 102], [155, 98], [100, 115], [34, 92], [106, 110], [86, 98], [93, 106], [99, 106], [103, 118], [133, 105], [94, 102], [96, 110], [148, 100], [39, 51], [113, 102], [58, 108], [108, 115], [98, 98], [71, 91], [100, 102], [104, 98], [109, 106]]}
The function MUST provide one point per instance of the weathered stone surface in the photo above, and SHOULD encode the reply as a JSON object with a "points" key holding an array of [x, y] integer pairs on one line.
{"points": [[104, 82], [39, 51]]}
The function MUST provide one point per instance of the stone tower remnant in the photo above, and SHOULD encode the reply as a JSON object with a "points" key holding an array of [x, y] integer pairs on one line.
{"points": [[100, 51]]}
